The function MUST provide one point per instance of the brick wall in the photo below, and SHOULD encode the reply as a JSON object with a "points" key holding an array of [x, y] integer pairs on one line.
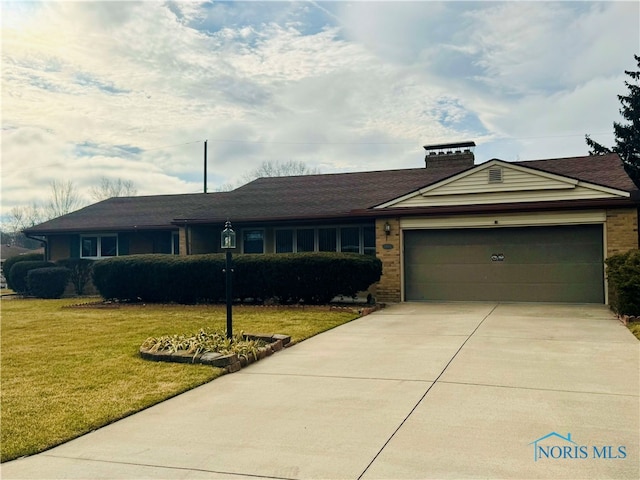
{"points": [[622, 230], [182, 240], [388, 289]]}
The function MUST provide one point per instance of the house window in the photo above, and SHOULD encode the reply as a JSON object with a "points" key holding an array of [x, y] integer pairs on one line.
{"points": [[350, 239], [89, 247], [108, 246], [284, 241], [253, 241], [305, 240], [327, 239], [98, 246], [369, 241]]}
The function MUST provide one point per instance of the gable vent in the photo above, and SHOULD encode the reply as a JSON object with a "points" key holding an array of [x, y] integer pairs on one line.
{"points": [[495, 175]]}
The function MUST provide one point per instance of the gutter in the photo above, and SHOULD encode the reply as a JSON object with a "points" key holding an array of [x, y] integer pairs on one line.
{"points": [[111, 229], [41, 240], [271, 220]]}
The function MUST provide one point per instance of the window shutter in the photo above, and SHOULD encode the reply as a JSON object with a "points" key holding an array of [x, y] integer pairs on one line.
{"points": [[123, 244], [74, 246]]}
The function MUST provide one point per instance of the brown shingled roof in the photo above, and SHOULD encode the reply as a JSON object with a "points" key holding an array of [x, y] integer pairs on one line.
{"points": [[310, 196], [605, 170], [123, 213], [301, 197]]}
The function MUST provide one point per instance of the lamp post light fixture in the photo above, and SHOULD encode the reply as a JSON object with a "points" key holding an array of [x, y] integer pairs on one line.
{"points": [[227, 243]]}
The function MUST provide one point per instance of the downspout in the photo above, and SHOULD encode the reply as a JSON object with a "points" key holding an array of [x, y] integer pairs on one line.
{"points": [[43, 241]]}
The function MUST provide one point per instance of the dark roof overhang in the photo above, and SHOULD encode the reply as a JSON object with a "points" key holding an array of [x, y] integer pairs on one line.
{"points": [[499, 208], [110, 229], [271, 219]]}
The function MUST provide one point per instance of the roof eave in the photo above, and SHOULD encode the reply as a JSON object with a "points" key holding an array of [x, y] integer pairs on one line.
{"points": [[499, 207], [111, 229], [269, 219]]}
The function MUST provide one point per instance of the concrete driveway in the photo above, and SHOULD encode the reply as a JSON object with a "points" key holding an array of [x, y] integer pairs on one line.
{"points": [[413, 391]]}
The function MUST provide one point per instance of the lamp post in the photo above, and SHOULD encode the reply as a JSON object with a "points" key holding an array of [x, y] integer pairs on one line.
{"points": [[227, 243]]}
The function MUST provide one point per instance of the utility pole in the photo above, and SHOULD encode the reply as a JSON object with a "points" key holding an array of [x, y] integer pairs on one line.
{"points": [[205, 166]]}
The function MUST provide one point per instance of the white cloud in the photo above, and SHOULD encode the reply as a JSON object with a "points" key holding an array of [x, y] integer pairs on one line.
{"points": [[133, 89]]}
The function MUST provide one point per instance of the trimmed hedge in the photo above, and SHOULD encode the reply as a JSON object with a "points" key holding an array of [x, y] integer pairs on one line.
{"points": [[19, 271], [10, 262], [312, 278], [623, 273], [48, 282]]}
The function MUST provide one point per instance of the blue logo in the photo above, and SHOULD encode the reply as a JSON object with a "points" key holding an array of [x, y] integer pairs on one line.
{"points": [[554, 446]]}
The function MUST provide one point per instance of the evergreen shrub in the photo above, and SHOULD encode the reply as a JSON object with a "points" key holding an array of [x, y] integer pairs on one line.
{"points": [[48, 282], [623, 273], [19, 271], [10, 262], [312, 278]]}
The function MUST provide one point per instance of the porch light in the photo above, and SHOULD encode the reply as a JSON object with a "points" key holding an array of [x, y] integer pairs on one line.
{"points": [[227, 243], [228, 237], [387, 228]]}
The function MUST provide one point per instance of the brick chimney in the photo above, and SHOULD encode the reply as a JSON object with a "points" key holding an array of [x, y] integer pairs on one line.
{"points": [[458, 155]]}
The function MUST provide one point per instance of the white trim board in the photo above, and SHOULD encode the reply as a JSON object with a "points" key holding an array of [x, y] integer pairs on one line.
{"points": [[505, 220]]}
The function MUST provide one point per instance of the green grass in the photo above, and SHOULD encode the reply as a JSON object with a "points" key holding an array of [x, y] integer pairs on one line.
{"points": [[67, 371], [635, 329]]}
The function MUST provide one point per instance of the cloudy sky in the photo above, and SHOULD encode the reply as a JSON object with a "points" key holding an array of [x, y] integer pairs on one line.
{"points": [[132, 89]]}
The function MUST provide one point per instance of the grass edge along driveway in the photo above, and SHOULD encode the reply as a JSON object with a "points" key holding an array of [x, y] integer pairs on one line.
{"points": [[68, 371]]}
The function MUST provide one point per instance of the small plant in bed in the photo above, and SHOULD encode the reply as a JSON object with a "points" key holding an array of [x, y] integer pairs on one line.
{"points": [[205, 341]]}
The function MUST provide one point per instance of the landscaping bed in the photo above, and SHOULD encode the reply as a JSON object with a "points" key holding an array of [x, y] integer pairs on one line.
{"points": [[231, 362]]}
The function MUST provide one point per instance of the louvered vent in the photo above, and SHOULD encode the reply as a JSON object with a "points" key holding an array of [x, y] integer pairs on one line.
{"points": [[495, 175]]}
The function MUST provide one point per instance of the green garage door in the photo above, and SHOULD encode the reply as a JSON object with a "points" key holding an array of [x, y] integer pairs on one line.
{"points": [[524, 264]]}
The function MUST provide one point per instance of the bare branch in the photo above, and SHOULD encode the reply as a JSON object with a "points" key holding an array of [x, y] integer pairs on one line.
{"points": [[64, 199], [109, 188]]}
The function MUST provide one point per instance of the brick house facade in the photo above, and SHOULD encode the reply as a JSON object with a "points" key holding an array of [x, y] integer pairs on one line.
{"points": [[450, 230]]}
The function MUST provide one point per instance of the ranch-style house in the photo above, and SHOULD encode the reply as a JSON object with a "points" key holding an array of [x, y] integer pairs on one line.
{"points": [[452, 230]]}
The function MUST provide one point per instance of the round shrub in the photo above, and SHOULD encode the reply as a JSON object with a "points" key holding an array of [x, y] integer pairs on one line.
{"points": [[10, 262], [19, 271], [48, 282]]}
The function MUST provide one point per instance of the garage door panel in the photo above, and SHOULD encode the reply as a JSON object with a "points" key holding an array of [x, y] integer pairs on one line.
{"points": [[554, 264], [502, 273], [502, 292]]}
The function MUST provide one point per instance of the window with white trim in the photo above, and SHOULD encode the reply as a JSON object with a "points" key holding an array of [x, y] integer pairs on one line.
{"points": [[253, 241], [327, 239], [354, 239], [284, 241], [305, 240], [369, 240], [350, 239], [98, 246]]}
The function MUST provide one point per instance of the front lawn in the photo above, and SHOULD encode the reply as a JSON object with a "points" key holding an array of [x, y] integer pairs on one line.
{"points": [[67, 371]]}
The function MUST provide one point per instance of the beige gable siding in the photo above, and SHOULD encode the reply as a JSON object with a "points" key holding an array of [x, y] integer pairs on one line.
{"points": [[512, 180], [516, 185]]}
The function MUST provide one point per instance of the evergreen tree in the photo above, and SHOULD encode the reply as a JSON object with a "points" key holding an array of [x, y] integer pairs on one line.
{"points": [[628, 134]]}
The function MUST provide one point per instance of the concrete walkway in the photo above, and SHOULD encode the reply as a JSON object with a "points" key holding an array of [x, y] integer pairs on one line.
{"points": [[413, 391]]}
